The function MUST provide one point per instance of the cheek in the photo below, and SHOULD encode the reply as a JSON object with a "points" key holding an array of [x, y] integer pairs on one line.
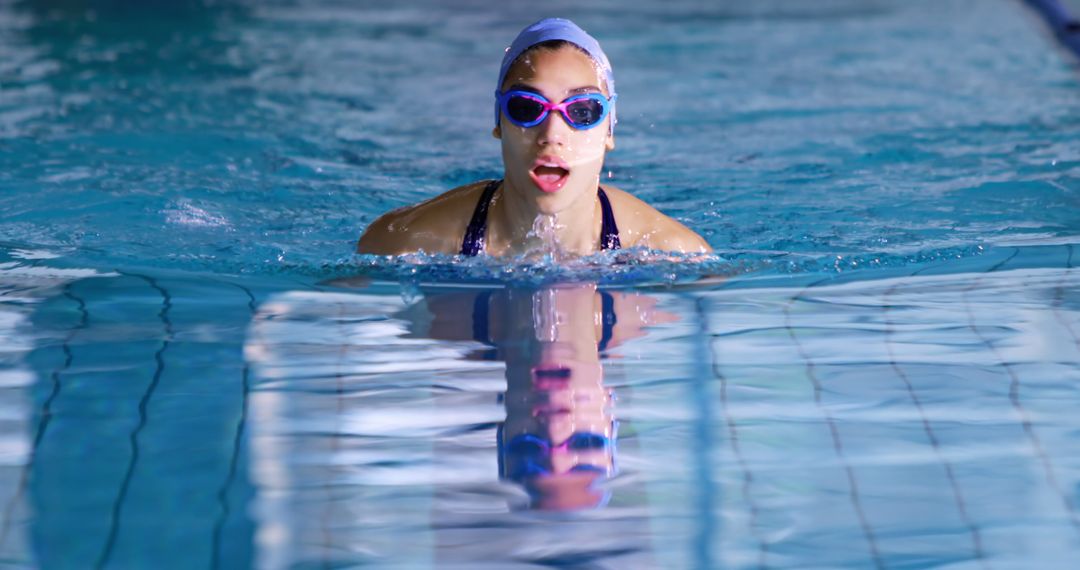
{"points": [[589, 145], [517, 139]]}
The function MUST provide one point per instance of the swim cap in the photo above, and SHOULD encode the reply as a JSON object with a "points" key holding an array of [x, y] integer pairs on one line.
{"points": [[550, 29]]}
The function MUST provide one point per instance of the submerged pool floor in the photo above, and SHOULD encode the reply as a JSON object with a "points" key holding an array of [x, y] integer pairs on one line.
{"points": [[176, 421]]}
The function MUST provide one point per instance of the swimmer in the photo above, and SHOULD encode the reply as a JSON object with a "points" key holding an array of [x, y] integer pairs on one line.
{"points": [[555, 118]]}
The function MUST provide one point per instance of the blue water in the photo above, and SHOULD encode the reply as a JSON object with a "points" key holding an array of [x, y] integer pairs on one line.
{"points": [[879, 367]]}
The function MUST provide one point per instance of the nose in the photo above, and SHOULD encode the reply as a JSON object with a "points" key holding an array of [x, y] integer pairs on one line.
{"points": [[562, 460], [554, 130], [557, 427]]}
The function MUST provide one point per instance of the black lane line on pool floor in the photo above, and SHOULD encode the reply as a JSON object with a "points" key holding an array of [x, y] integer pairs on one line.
{"points": [[159, 358], [1065, 26], [706, 496], [46, 409], [733, 435], [238, 439], [935, 443], [1014, 397], [1059, 299], [834, 431]]}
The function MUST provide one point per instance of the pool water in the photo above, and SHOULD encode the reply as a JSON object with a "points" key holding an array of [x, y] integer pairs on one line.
{"points": [[879, 368]]}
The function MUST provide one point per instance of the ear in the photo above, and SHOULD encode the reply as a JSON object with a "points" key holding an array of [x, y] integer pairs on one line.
{"points": [[610, 143], [497, 132]]}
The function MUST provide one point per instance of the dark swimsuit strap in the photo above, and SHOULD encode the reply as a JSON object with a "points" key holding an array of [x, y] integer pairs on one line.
{"points": [[480, 331], [609, 230], [473, 243]]}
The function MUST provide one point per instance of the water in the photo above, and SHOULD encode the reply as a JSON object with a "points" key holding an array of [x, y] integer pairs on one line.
{"points": [[879, 368]]}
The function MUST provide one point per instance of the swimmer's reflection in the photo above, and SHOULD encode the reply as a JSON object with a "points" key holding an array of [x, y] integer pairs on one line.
{"points": [[558, 440]]}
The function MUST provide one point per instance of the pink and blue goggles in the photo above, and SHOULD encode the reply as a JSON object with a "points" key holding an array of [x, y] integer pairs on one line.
{"points": [[527, 109], [527, 456]]}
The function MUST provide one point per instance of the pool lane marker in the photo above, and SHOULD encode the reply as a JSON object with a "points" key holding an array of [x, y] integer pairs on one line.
{"points": [[1014, 397], [46, 409], [838, 445], [706, 496], [159, 358], [1059, 298], [733, 433], [958, 496], [238, 439]]}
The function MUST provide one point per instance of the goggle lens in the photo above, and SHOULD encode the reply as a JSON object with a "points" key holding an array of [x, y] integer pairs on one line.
{"points": [[586, 441], [585, 112], [523, 109], [527, 445]]}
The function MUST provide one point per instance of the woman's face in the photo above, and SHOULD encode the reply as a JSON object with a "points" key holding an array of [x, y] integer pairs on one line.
{"points": [[527, 152]]}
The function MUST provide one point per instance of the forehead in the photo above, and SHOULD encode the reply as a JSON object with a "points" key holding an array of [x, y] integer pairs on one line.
{"points": [[555, 70]]}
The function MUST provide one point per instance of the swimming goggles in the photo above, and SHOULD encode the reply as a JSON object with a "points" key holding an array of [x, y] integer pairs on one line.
{"points": [[529, 455], [527, 109]]}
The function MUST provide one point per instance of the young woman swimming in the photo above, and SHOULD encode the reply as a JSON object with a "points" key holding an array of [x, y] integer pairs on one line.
{"points": [[555, 115]]}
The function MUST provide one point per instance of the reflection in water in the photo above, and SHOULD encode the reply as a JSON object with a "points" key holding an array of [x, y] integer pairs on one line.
{"points": [[370, 429], [410, 433], [559, 436], [17, 435], [558, 439]]}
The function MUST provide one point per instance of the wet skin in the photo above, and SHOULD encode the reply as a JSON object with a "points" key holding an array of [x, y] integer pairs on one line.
{"points": [[570, 217]]}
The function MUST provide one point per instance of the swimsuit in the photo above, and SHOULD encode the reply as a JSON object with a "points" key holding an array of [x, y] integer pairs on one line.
{"points": [[481, 333], [473, 243]]}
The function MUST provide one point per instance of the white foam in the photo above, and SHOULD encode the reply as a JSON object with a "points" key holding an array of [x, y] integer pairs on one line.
{"points": [[187, 214]]}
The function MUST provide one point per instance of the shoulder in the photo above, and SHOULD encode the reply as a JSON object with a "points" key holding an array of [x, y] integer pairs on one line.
{"points": [[644, 226], [434, 226]]}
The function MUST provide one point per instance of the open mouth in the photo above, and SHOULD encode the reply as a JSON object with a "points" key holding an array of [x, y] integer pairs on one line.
{"points": [[548, 412], [551, 377], [554, 372], [549, 174]]}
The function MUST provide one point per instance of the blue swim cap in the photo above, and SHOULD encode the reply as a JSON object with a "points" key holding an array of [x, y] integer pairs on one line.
{"points": [[550, 29]]}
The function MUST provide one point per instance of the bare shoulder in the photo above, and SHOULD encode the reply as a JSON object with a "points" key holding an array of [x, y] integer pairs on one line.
{"points": [[643, 225], [434, 226]]}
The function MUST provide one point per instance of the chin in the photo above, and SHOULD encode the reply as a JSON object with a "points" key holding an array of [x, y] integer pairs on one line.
{"points": [[556, 203], [550, 203]]}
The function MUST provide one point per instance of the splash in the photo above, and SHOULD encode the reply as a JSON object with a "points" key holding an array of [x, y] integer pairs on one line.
{"points": [[626, 267], [187, 214], [543, 240], [641, 267]]}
